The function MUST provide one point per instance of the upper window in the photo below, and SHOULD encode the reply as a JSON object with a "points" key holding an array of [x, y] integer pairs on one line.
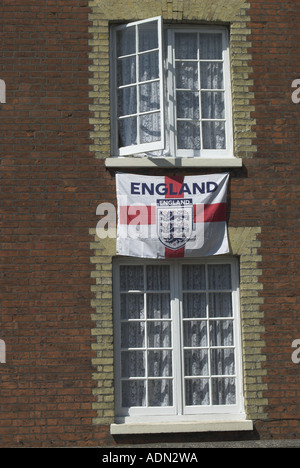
{"points": [[170, 91]]}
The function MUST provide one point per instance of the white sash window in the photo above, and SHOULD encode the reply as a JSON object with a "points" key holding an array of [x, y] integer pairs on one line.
{"points": [[177, 339], [170, 91]]}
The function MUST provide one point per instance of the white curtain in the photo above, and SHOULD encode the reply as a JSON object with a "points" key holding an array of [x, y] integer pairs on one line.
{"points": [[153, 363], [146, 335], [194, 100]]}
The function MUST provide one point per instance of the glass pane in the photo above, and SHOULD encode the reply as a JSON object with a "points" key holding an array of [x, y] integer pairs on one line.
{"points": [[133, 364], [220, 305], [158, 306], [221, 332], [127, 131], [187, 75], [149, 97], [193, 277], [148, 36], [127, 103], [132, 306], [214, 135], [126, 71], [197, 392], [188, 135], [148, 66], [211, 75], [158, 277], [133, 335], [159, 334], [160, 392], [196, 362], [186, 46], [150, 129], [213, 105], [219, 277], [187, 105], [223, 391], [160, 363], [126, 43], [194, 305], [195, 333], [222, 361], [131, 277], [211, 46], [133, 393]]}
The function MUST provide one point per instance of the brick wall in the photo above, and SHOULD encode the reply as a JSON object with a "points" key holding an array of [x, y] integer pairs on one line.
{"points": [[56, 387]]}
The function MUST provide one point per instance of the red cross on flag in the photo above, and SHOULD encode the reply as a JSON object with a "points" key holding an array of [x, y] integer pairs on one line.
{"points": [[171, 217]]}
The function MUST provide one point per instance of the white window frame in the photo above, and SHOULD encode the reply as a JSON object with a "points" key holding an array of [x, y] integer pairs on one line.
{"points": [[177, 412], [168, 109], [146, 147]]}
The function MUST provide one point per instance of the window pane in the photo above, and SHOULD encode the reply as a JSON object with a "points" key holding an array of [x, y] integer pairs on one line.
{"points": [[223, 391], [158, 277], [219, 277], [133, 363], [194, 305], [126, 71], [160, 392], [158, 306], [132, 306], [133, 335], [148, 36], [221, 332], [188, 135], [160, 363], [195, 333], [196, 362], [214, 135], [197, 392], [131, 277], [148, 66], [186, 46], [150, 129], [187, 75], [193, 277], [159, 334], [126, 43], [127, 131], [222, 362], [211, 46], [149, 95], [212, 105], [187, 105], [220, 305], [127, 103], [211, 75], [133, 393]]}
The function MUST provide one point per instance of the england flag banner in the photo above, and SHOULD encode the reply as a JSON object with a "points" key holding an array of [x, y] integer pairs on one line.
{"points": [[171, 217]]}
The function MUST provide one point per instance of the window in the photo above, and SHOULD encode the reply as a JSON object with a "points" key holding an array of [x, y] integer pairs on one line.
{"points": [[177, 339], [170, 91]]}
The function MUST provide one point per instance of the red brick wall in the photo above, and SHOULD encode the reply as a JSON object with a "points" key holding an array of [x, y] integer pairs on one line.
{"points": [[51, 185], [275, 53]]}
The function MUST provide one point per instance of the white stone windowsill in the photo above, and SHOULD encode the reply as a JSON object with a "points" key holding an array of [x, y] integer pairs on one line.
{"points": [[180, 427], [172, 162]]}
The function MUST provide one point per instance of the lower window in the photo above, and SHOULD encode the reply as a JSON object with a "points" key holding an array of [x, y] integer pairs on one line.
{"points": [[177, 339]]}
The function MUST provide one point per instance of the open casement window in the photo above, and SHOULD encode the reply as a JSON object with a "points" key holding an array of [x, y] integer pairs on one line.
{"points": [[177, 340], [138, 87], [171, 91]]}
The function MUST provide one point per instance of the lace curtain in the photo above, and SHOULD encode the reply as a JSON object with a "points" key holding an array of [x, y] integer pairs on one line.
{"points": [[147, 328]]}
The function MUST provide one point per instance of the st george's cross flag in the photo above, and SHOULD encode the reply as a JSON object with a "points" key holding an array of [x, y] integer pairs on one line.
{"points": [[171, 217]]}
